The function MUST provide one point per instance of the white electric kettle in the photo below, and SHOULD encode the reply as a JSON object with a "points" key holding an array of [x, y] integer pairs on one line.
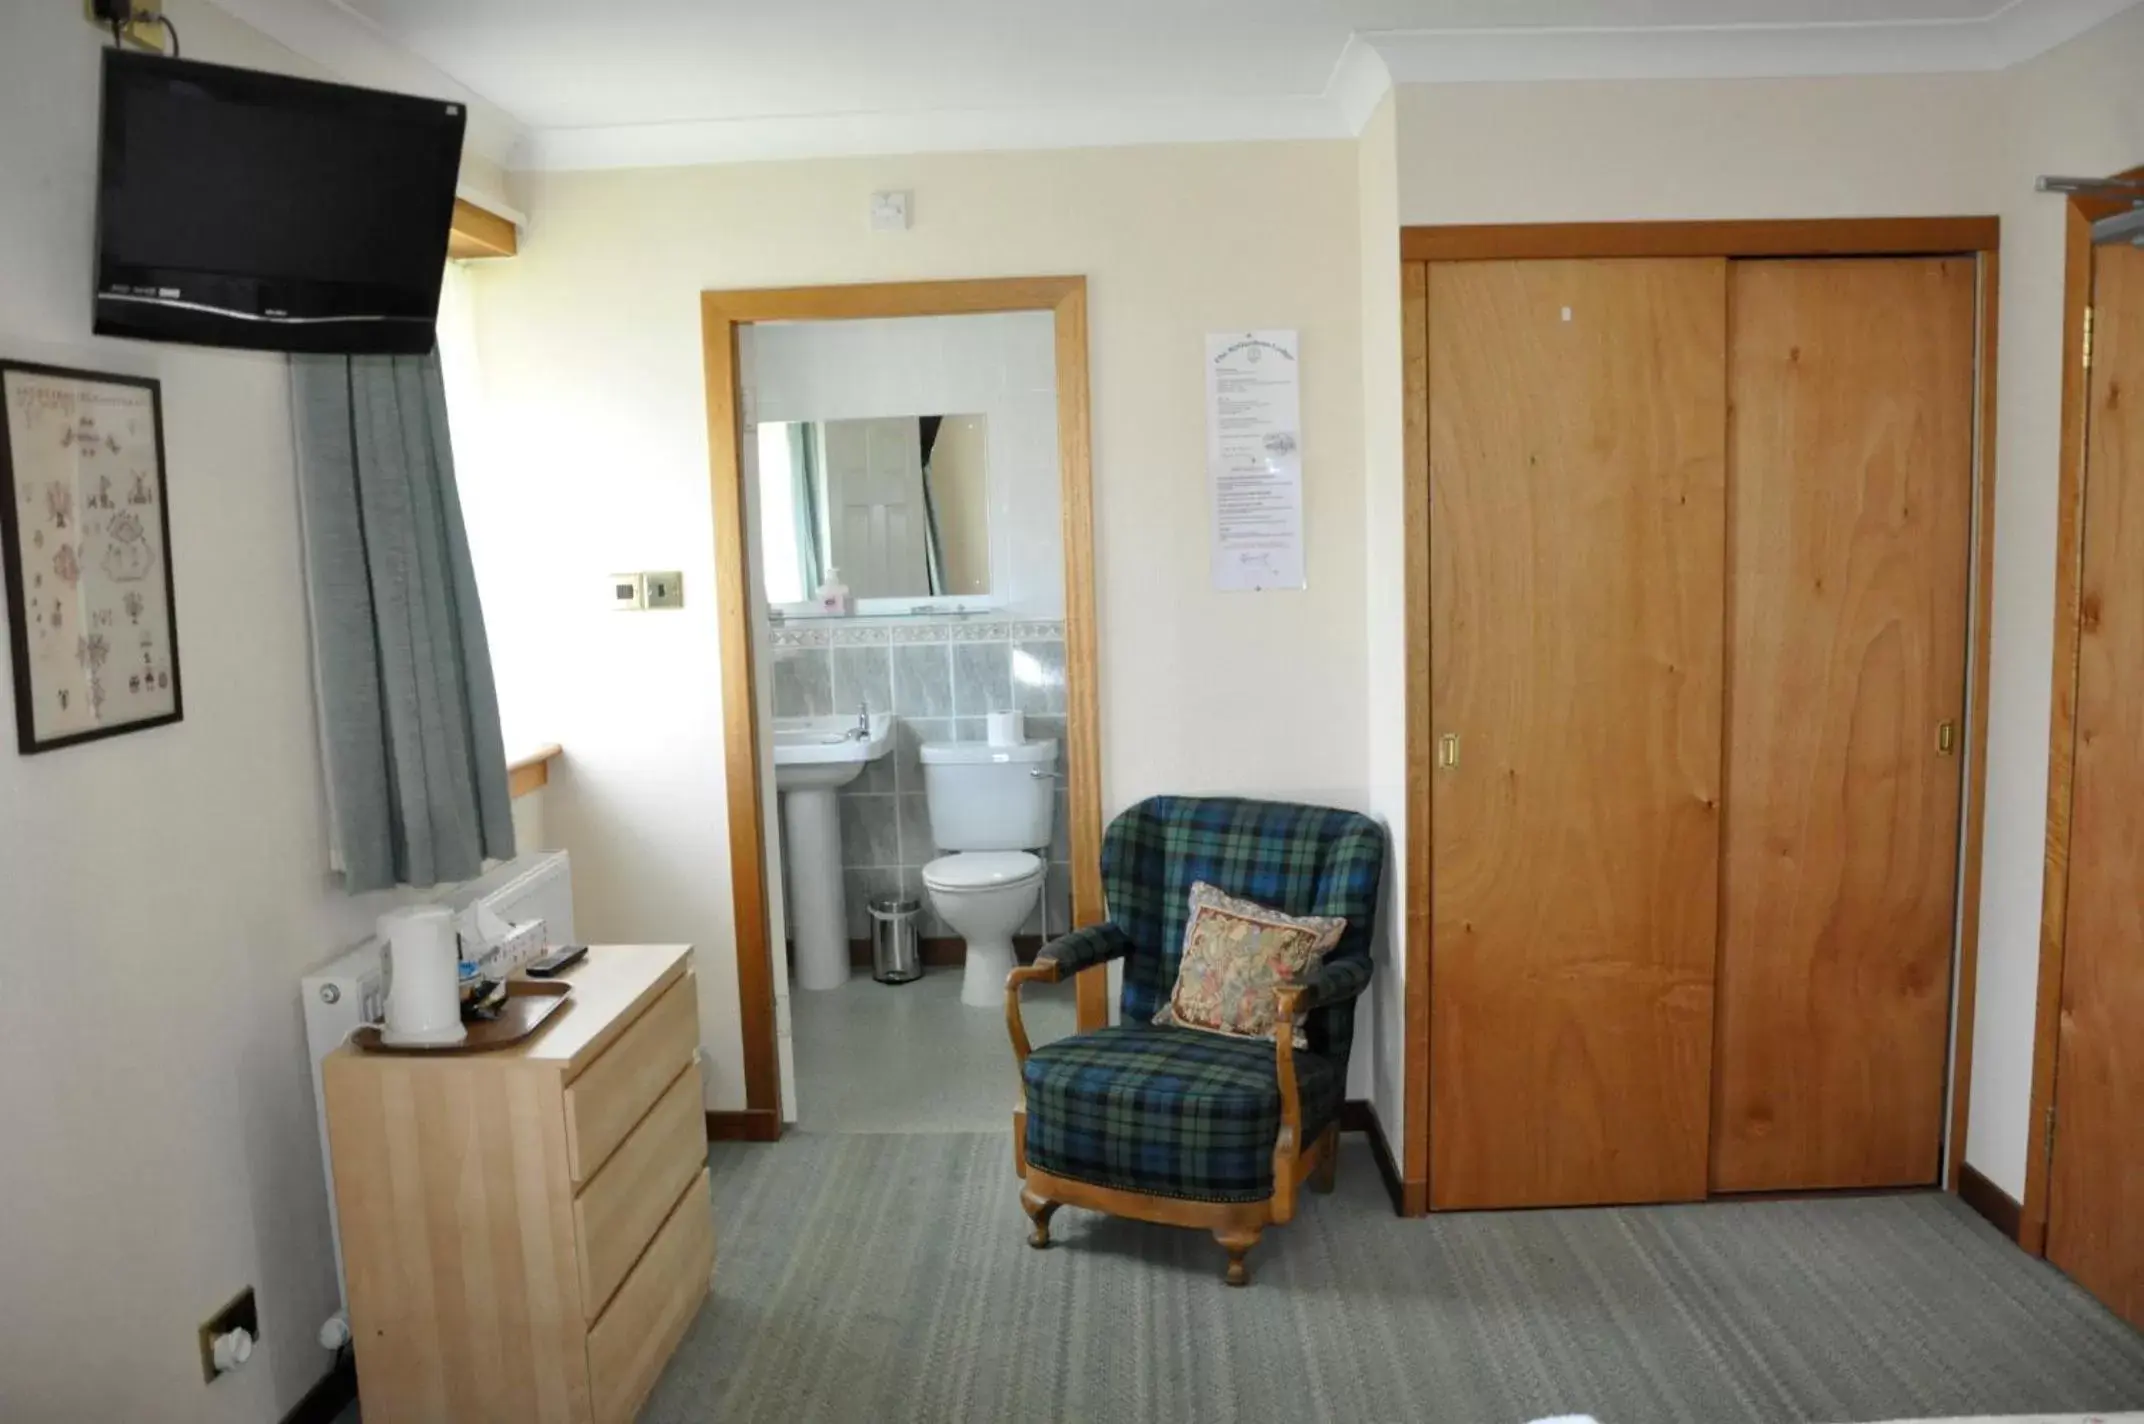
{"points": [[424, 1002]]}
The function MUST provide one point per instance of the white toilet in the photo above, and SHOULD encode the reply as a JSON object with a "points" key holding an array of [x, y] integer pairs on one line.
{"points": [[991, 806]]}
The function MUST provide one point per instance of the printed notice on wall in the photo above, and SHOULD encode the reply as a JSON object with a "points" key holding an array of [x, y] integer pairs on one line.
{"points": [[1254, 458]]}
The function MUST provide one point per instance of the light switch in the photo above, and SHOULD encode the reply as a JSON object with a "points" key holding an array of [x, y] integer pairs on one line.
{"points": [[664, 590], [628, 592]]}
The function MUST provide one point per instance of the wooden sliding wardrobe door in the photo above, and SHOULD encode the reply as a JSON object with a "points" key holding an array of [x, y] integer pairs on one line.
{"points": [[1850, 479], [2095, 1225], [1576, 429]]}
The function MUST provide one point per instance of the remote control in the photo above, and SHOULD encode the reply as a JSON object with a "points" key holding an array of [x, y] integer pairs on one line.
{"points": [[558, 961]]}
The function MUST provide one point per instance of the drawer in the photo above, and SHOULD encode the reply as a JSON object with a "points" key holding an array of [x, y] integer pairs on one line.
{"points": [[633, 1339], [604, 1103], [630, 1198]]}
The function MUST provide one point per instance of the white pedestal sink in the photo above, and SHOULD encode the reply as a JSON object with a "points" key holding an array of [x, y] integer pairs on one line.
{"points": [[813, 757]]}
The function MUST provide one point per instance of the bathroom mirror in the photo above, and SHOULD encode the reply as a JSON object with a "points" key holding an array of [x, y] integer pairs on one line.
{"points": [[895, 508]]}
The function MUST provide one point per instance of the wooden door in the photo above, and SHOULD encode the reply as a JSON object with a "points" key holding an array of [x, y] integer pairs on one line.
{"points": [[1577, 429], [2095, 1226], [1850, 487], [874, 484]]}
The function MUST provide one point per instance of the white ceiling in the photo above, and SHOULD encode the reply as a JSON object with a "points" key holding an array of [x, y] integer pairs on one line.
{"points": [[597, 83], [572, 64]]}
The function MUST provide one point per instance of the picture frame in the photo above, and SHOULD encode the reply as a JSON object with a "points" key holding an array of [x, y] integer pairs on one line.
{"points": [[85, 549]]}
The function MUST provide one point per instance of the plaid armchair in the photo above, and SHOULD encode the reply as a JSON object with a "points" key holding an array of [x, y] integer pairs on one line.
{"points": [[1174, 1124]]}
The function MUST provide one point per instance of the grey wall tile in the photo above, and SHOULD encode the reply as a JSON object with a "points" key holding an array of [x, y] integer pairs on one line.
{"points": [[1059, 900], [970, 729], [862, 675], [877, 777], [929, 923], [870, 831], [860, 887], [916, 845], [910, 733], [1060, 826], [982, 678], [923, 679], [1038, 676], [803, 682], [1041, 727]]}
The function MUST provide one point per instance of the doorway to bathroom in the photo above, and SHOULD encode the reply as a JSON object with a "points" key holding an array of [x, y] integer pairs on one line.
{"points": [[904, 542]]}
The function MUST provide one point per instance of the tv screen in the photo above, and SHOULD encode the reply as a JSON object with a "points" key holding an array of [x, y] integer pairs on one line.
{"points": [[254, 210]]}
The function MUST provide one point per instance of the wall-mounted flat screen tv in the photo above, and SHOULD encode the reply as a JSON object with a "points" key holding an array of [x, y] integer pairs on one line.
{"points": [[254, 210]]}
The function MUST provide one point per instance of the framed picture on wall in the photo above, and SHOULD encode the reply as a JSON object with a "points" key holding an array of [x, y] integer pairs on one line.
{"points": [[85, 532]]}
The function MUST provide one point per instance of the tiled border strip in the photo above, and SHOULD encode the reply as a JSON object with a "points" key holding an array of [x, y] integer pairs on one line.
{"points": [[868, 635]]}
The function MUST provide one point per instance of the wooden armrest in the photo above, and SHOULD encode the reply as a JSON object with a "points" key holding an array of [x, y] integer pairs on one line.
{"points": [[1289, 998], [1042, 971], [1288, 1002]]}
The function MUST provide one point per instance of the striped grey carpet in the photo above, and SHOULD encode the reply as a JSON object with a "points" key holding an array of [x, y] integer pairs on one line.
{"points": [[887, 1278]]}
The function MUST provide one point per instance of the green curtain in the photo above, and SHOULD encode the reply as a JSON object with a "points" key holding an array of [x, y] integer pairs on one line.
{"points": [[804, 490], [409, 714]]}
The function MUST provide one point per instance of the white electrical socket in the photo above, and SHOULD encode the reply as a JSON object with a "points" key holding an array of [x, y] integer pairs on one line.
{"points": [[628, 592]]}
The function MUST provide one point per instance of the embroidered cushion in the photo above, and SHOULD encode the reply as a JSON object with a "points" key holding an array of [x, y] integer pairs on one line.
{"points": [[1236, 954]]}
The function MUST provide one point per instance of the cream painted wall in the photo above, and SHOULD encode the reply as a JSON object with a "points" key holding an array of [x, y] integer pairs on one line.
{"points": [[1384, 578], [2078, 109], [1618, 151], [161, 893], [590, 347]]}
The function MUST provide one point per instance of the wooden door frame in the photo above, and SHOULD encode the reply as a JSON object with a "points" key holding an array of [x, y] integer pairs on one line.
{"points": [[2080, 261], [722, 314], [1978, 237]]}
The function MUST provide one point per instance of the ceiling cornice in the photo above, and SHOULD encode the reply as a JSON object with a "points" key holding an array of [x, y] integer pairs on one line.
{"points": [[355, 52], [2019, 31], [1358, 82], [934, 131]]}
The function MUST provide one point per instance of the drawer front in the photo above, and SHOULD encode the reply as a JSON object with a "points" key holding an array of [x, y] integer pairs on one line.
{"points": [[632, 1340], [629, 1199], [605, 1103]]}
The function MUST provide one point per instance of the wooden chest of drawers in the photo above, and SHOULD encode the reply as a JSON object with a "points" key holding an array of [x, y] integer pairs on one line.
{"points": [[527, 1234]]}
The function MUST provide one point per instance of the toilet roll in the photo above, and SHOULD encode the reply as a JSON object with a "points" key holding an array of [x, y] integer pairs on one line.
{"points": [[1007, 729]]}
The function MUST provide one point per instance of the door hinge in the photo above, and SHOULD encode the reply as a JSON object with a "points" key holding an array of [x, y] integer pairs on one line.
{"points": [[2088, 338]]}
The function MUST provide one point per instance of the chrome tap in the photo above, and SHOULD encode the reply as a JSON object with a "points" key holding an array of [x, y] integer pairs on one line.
{"points": [[862, 730]]}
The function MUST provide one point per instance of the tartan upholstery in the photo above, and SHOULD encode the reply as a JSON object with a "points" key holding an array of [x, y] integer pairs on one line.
{"points": [[1176, 1112], [1167, 1111], [1083, 949]]}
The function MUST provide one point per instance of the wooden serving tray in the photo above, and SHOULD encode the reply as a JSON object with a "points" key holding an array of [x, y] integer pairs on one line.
{"points": [[529, 1004]]}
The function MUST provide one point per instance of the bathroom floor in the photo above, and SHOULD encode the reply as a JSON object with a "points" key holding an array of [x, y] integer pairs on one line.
{"points": [[874, 1057]]}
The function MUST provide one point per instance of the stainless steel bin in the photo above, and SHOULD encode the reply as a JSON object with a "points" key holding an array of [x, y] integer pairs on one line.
{"points": [[896, 954]]}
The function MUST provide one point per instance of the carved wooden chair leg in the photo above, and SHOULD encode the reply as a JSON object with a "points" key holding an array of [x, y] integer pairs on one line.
{"points": [[1238, 1244], [1328, 1174], [1040, 1212]]}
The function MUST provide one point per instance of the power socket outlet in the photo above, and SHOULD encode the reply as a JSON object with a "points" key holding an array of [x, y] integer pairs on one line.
{"points": [[137, 20], [240, 1314]]}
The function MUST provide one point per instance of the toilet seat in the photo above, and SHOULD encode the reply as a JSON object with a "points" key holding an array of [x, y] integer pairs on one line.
{"points": [[970, 871]]}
